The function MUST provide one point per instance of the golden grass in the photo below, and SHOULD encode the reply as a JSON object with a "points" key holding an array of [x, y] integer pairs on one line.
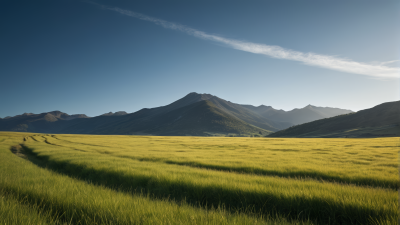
{"points": [[371, 162], [217, 180]]}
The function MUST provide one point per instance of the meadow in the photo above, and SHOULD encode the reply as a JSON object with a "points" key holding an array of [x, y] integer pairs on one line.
{"points": [[99, 179]]}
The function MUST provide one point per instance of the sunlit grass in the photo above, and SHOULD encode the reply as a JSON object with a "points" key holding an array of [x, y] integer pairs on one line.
{"points": [[15, 211], [371, 162], [78, 202], [190, 180]]}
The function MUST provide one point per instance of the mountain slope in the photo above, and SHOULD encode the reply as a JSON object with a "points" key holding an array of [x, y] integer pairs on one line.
{"points": [[146, 116], [232, 118], [205, 117], [248, 116], [131, 123], [298, 116], [381, 120], [200, 118]]}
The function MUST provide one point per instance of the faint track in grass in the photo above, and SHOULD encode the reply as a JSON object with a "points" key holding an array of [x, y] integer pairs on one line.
{"points": [[48, 142], [55, 137]]}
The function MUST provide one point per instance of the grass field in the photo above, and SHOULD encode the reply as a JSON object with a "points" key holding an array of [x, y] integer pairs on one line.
{"points": [[87, 179]]}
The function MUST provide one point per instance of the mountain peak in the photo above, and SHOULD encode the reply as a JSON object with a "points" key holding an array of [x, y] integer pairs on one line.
{"points": [[58, 114], [265, 106], [119, 113], [190, 98], [201, 96]]}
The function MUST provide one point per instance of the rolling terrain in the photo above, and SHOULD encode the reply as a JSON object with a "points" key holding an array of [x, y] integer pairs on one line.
{"points": [[100, 179], [380, 121], [195, 114]]}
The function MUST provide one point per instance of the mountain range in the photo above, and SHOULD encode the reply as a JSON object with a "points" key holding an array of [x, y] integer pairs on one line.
{"points": [[380, 121], [194, 114]]}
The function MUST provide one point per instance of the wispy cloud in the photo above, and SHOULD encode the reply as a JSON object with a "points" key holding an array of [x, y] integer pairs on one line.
{"points": [[325, 61]]}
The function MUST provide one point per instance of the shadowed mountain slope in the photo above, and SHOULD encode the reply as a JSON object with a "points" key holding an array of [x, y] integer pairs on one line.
{"points": [[381, 120], [137, 122], [201, 118], [248, 116], [145, 117], [216, 115]]}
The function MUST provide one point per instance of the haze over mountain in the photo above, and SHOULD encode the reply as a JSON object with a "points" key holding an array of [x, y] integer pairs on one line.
{"points": [[380, 121], [194, 114]]}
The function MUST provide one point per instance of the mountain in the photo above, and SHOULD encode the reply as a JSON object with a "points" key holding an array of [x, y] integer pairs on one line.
{"points": [[44, 122], [181, 117], [194, 114], [233, 109], [379, 121], [140, 121], [200, 118], [298, 116]]}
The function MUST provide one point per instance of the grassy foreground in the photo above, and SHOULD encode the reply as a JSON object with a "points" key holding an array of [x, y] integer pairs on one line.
{"points": [[83, 179]]}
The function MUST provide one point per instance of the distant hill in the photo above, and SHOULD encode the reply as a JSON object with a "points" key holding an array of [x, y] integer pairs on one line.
{"points": [[44, 122], [379, 121], [297, 116], [194, 114]]}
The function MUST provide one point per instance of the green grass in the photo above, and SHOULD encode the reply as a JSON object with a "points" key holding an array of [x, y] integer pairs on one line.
{"points": [[391, 130], [15, 211], [368, 162], [183, 180], [68, 200]]}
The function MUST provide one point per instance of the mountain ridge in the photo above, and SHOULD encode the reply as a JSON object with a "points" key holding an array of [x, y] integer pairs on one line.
{"points": [[231, 117], [300, 115], [380, 120]]}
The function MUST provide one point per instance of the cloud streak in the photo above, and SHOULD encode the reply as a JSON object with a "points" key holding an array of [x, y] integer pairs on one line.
{"points": [[311, 59]]}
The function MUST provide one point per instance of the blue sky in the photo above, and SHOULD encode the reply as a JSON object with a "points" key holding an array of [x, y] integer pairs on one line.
{"points": [[101, 56]]}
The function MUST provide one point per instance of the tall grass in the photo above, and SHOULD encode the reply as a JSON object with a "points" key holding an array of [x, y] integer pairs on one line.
{"points": [[369, 162], [110, 179], [15, 211], [50, 197]]}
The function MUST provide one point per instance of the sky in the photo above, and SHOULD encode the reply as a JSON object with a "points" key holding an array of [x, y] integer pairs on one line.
{"points": [[98, 56]]}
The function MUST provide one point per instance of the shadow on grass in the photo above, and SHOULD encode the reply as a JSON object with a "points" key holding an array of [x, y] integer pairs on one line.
{"points": [[55, 212], [233, 200], [314, 175]]}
